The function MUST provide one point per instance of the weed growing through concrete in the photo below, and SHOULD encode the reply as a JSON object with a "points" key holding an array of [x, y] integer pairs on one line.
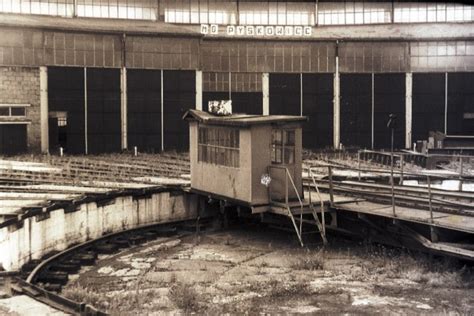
{"points": [[279, 289], [184, 297], [309, 262]]}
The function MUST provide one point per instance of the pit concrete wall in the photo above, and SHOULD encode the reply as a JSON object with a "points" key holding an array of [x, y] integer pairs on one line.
{"points": [[38, 235], [21, 85]]}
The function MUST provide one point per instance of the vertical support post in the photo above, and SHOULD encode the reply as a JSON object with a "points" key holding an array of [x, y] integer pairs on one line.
{"points": [[310, 172], [230, 85], [301, 94], [373, 113], [331, 189], [286, 188], [391, 173], [266, 93], [428, 178], [74, 9], [86, 149], [316, 20], [461, 162], [337, 105], [408, 108], [445, 103], [123, 107], [402, 162], [358, 164], [199, 90], [162, 113], [44, 109]]}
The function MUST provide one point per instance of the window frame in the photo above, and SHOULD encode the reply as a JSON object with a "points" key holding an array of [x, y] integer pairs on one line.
{"points": [[285, 148], [10, 108], [219, 145]]}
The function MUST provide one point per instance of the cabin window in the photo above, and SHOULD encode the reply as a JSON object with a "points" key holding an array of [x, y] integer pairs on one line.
{"points": [[283, 146], [220, 146]]}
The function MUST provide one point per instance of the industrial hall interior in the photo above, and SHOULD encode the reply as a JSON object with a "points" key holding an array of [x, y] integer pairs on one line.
{"points": [[239, 157], [92, 77]]}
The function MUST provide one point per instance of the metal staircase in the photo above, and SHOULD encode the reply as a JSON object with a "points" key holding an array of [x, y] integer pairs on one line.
{"points": [[300, 211]]}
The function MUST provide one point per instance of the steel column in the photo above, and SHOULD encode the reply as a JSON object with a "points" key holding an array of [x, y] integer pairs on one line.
{"points": [[337, 108], [373, 113], [301, 94], [266, 93], [44, 110], [85, 112], [162, 113], [199, 90], [408, 109], [123, 107], [446, 103]]}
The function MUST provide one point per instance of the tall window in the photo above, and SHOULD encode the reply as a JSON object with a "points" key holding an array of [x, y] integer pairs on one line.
{"points": [[413, 12], [47, 7], [117, 9], [195, 12], [353, 12], [283, 146], [219, 145]]}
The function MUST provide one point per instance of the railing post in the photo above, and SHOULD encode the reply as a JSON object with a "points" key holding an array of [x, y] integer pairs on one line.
{"points": [[286, 188], [393, 185], [402, 162], [269, 190], [331, 190], [358, 164], [429, 199], [461, 160], [310, 173]]}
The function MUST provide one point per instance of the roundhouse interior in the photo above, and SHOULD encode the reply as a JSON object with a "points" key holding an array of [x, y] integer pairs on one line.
{"points": [[95, 77]]}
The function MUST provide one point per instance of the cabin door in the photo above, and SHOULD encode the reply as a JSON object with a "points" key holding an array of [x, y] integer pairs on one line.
{"points": [[282, 170]]}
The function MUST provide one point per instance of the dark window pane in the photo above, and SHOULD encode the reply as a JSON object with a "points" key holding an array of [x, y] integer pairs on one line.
{"points": [[18, 111]]}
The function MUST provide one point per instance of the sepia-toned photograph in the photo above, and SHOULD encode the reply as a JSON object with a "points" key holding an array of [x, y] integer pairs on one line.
{"points": [[236, 157]]}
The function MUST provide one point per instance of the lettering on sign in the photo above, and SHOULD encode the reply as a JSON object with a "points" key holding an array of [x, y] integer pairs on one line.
{"points": [[258, 30], [214, 29]]}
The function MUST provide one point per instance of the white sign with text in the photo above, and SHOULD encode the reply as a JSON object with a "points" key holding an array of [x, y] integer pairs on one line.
{"points": [[258, 30]]}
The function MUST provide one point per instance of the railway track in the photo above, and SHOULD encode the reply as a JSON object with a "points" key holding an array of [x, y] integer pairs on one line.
{"points": [[44, 279], [71, 170], [418, 197]]}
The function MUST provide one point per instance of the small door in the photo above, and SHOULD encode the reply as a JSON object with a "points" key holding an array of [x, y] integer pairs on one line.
{"points": [[57, 128], [283, 159]]}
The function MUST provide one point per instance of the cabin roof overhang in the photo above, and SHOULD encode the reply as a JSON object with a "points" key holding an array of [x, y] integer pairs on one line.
{"points": [[241, 120]]}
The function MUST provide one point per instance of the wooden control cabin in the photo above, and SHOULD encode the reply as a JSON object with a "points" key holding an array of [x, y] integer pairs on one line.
{"points": [[251, 160], [230, 155]]}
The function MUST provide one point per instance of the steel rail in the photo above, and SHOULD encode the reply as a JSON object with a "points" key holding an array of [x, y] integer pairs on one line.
{"points": [[57, 301], [401, 195], [452, 197]]}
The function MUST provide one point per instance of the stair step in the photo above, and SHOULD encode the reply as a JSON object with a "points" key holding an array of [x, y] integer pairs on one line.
{"points": [[307, 221]]}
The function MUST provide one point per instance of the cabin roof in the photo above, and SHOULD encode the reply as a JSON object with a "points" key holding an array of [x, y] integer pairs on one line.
{"points": [[242, 120]]}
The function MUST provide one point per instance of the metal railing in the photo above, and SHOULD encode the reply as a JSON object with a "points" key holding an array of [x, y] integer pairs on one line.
{"points": [[429, 199], [321, 202], [290, 214]]}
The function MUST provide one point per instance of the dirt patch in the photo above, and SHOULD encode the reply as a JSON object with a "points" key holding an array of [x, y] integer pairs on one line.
{"points": [[255, 271]]}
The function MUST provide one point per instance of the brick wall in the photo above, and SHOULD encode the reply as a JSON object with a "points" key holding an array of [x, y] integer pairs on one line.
{"points": [[21, 85]]}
